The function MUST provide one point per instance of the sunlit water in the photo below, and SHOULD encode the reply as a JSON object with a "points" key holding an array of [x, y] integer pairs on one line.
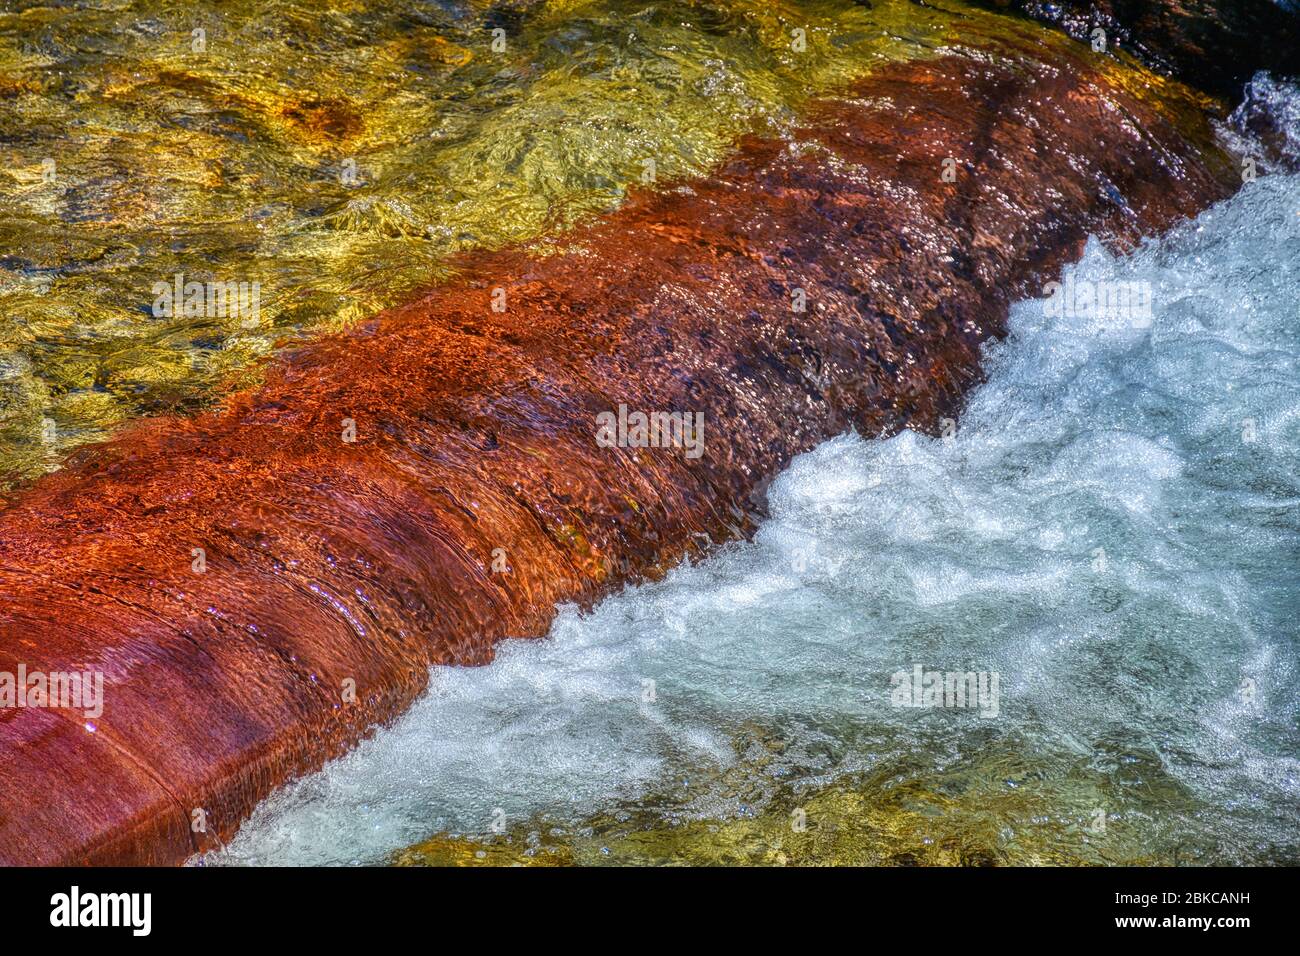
{"points": [[1113, 530], [338, 155]]}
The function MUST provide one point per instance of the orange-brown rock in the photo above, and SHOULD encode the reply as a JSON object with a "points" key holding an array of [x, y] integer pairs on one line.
{"points": [[334, 563]]}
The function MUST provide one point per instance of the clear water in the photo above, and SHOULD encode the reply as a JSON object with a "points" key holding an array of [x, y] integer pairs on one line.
{"points": [[340, 158], [1113, 529]]}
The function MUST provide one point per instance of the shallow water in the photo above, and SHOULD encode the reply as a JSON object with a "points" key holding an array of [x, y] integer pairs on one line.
{"points": [[1112, 530], [339, 159]]}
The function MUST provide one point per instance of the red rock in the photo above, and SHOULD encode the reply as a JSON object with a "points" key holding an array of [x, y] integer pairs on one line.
{"points": [[329, 561]]}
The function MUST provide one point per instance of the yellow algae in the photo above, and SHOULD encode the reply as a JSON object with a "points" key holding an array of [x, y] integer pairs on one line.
{"points": [[997, 808], [338, 155]]}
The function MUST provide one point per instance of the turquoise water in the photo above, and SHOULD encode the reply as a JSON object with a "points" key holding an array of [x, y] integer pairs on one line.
{"points": [[1112, 529]]}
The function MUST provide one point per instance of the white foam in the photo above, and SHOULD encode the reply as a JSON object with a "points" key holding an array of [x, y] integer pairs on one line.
{"points": [[979, 551]]}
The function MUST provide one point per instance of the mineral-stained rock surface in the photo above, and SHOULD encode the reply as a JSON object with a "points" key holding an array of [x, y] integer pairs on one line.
{"points": [[236, 576]]}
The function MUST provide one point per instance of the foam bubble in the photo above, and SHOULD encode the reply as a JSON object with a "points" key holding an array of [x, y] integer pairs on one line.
{"points": [[1113, 528]]}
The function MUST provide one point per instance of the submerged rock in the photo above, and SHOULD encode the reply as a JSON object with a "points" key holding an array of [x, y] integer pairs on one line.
{"points": [[263, 584], [1214, 46]]}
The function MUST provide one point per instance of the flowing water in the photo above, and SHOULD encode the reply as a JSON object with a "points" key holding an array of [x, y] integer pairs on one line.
{"points": [[339, 158], [1112, 530]]}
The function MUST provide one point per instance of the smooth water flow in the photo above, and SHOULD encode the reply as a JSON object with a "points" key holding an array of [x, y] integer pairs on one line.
{"points": [[1111, 530]]}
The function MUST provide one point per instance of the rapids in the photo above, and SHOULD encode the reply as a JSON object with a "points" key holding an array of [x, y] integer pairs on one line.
{"points": [[1112, 527]]}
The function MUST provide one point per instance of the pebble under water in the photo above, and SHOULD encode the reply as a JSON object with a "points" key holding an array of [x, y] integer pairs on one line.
{"points": [[1112, 529]]}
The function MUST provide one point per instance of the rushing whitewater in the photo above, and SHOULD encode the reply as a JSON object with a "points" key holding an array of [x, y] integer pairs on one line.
{"points": [[1111, 528]]}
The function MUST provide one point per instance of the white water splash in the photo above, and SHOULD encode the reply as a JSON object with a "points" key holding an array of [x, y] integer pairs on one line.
{"points": [[1114, 529]]}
